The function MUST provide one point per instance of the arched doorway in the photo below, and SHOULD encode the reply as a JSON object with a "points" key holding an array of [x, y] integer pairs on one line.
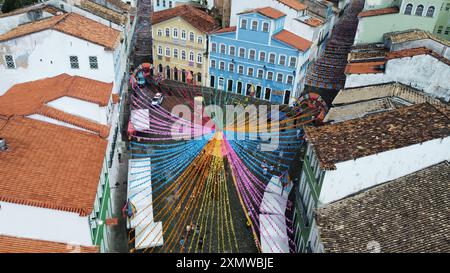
{"points": [[168, 72], [175, 74]]}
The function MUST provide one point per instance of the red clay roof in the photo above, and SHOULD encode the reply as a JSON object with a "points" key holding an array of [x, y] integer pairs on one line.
{"points": [[10, 244], [227, 29], [71, 24], [293, 4], [365, 68], [267, 11], [411, 52], [31, 97], [197, 18], [50, 166], [376, 12], [293, 40], [314, 22]]}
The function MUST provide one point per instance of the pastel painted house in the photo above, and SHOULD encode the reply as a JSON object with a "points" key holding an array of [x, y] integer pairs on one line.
{"points": [[259, 57]]}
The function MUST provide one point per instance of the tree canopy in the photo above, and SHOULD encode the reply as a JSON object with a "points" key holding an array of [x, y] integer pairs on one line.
{"points": [[10, 5]]}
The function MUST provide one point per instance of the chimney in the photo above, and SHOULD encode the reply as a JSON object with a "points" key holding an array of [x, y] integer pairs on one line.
{"points": [[3, 146]]}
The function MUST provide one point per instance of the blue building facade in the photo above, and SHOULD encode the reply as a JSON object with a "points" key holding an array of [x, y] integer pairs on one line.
{"points": [[259, 58]]}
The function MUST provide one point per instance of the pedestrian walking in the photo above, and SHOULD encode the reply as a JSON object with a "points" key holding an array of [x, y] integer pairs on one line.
{"points": [[200, 242], [197, 230], [188, 229]]}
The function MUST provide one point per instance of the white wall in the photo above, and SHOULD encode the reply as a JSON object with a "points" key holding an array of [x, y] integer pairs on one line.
{"points": [[81, 108], [422, 72], [355, 175], [46, 54], [44, 224], [10, 22]]}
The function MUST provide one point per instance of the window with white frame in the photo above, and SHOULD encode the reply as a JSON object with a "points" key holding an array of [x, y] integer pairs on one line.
{"points": [[159, 32], [254, 25], [251, 54], [267, 93], [213, 47], [191, 36], [250, 71], [244, 23], [279, 77], [175, 53], [213, 64], [265, 26], [222, 65], [200, 39], [167, 32], [183, 34], [232, 50], [175, 33], [93, 62], [290, 79], [270, 76], [10, 64], [183, 55], [223, 49], [272, 58], [260, 73], [262, 56], [231, 67], [242, 52], [282, 60], [292, 62], [240, 69], [160, 50], [199, 58], [74, 64], [167, 51], [191, 56], [419, 10]]}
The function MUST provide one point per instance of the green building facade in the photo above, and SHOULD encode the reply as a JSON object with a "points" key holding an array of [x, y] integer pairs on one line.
{"points": [[442, 27], [379, 17]]}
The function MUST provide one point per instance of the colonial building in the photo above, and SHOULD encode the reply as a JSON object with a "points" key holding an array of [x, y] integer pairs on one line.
{"points": [[259, 58], [408, 214], [57, 152], [180, 43], [80, 46], [309, 19], [347, 157], [379, 17]]}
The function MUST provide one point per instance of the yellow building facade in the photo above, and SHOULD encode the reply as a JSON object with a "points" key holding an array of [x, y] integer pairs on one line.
{"points": [[180, 49]]}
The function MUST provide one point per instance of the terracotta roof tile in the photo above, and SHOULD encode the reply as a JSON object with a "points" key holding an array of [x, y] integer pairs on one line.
{"points": [[115, 98], [103, 12], [197, 18], [409, 214], [294, 4], [31, 98], [50, 166], [227, 29], [293, 40], [365, 67], [10, 244], [414, 35], [377, 133], [71, 24], [411, 52], [376, 12], [27, 98], [267, 11], [314, 22]]}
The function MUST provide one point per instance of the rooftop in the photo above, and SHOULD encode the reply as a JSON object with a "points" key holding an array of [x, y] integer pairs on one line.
{"points": [[267, 11], [371, 67], [71, 24], [50, 166], [294, 4], [377, 133], [414, 35], [225, 30], [357, 110], [409, 214], [196, 17], [32, 97], [293, 40], [377, 12], [103, 12], [39, 6], [10, 244]]}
